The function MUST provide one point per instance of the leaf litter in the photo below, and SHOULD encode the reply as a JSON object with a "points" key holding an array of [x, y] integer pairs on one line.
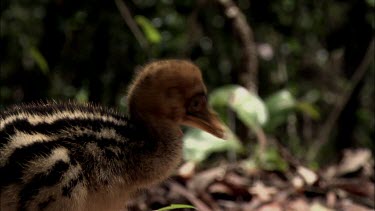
{"points": [[347, 186]]}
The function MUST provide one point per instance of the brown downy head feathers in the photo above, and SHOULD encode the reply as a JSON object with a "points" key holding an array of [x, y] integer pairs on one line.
{"points": [[172, 92]]}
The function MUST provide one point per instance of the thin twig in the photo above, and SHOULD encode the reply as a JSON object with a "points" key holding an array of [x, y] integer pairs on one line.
{"points": [[285, 154], [358, 75], [262, 139], [125, 13], [189, 196], [249, 77]]}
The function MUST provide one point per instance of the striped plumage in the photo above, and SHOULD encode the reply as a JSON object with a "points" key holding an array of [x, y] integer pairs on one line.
{"points": [[68, 156]]}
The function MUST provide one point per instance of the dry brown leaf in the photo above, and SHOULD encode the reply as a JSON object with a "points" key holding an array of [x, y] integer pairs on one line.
{"points": [[187, 170], [220, 188], [348, 205], [263, 192], [298, 183], [331, 199], [356, 186], [299, 204], [308, 175], [236, 180], [202, 180], [317, 206], [271, 207], [353, 160]]}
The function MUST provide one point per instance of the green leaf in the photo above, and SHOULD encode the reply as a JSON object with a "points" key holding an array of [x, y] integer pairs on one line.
{"points": [[271, 160], [220, 97], [39, 59], [308, 109], [151, 33], [280, 101], [82, 95], [198, 145], [249, 108], [279, 105], [370, 3], [176, 206]]}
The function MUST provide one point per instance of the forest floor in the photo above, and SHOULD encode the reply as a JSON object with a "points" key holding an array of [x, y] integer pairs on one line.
{"points": [[347, 185]]}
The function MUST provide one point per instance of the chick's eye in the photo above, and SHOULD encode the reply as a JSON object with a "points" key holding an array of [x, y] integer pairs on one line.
{"points": [[197, 103]]}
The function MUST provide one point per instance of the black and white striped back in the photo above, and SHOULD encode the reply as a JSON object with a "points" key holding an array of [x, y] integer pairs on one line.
{"points": [[60, 151]]}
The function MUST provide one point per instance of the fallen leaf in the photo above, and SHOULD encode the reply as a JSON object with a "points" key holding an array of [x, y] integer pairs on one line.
{"points": [[298, 183], [331, 199], [271, 207], [317, 206], [263, 192], [187, 170], [353, 160], [200, 182], [348, 205], [308, 175], [220, 188], [298, 204]]}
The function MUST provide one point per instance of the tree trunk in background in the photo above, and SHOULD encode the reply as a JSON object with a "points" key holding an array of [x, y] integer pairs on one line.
{"points": [[248, 71], [358, 30], [247, 75]]}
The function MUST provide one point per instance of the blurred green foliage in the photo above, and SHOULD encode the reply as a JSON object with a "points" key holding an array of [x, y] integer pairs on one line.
{"points": [[151, 33], [249, 108], [199, 145], [307, 51], [255, 113]]}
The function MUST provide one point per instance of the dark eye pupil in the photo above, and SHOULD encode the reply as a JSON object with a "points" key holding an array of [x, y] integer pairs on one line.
{"points": [[196, 103]]}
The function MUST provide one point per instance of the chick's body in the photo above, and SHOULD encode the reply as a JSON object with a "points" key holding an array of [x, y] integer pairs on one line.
{"points": [[67, 156], [82, 152]]}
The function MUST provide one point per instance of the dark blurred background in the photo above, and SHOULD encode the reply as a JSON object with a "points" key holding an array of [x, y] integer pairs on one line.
{"points": [[85, 51]]}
